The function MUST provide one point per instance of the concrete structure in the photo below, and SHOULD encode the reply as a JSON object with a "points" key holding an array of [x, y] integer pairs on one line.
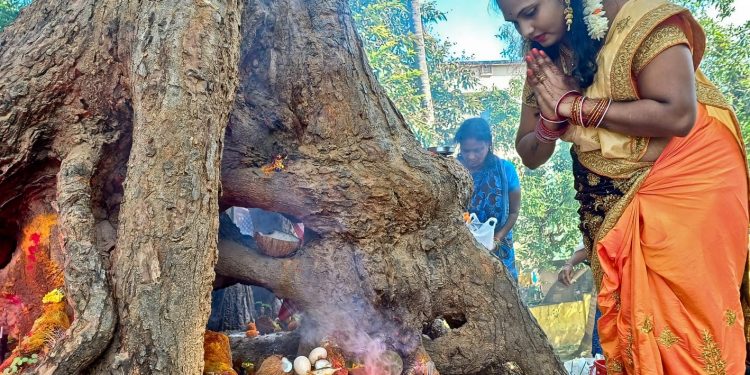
{"points": [[495, 73]]}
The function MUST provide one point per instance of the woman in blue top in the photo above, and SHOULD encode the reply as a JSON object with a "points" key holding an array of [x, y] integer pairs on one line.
{"points": [[497, 191]]}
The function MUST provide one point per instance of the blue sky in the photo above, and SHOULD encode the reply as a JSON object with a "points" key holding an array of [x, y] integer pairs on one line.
{"points": [[472, 25]]}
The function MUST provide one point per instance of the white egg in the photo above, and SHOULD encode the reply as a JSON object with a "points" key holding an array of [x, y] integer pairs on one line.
{"points": [[302, 365], [286, 365], [321, 364], [317, 353]]}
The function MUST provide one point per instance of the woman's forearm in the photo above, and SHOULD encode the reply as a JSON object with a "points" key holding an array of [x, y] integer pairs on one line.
{"points": [[649, 118], [534, 153], [578, 257], [512, 218]]}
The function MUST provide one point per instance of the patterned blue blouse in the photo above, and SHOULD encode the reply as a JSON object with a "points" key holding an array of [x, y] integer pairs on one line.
{"points": [[492, 185]]}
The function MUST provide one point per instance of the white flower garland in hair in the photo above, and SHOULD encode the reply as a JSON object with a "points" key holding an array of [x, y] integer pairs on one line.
{"points": [[596, 23]]}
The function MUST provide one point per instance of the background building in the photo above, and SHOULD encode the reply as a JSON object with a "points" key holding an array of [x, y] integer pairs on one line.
{"points": [[495, 73]]}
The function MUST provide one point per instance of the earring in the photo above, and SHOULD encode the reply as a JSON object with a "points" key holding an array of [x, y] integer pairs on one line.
{"points": [[568, 12]]}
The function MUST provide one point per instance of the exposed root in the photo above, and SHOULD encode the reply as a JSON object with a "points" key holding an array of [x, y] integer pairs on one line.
{"points": [[85, 277]]}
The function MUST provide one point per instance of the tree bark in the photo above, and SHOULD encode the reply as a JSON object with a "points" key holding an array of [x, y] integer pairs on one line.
{"points": [[231, 308], [94, 88], [184, 75], [117, 110]]}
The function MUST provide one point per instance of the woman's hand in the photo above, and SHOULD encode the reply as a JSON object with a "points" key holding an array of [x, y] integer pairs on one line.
{"points": [[566, 274], [549, 83], [498, 246]]}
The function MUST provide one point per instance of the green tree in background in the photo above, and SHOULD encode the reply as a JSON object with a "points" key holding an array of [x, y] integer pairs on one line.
{"points": [[547, 229], [383, 27], [417, 28], [386, 31], [9, 11], [727, 59]]}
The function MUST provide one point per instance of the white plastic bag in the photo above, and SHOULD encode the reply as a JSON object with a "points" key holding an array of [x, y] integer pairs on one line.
{"points": [[579, 366], [583, 365], [483, 232]]}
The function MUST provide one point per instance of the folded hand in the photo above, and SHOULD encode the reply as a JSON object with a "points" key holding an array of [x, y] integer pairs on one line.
{"points": [[548, 82]]}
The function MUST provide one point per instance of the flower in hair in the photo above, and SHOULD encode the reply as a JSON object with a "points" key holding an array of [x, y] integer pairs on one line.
{"points": [[595, 20]]}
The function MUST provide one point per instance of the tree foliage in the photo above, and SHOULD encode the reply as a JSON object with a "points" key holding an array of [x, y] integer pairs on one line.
{"points": [[9, 11], [727, 58], [546, 229], [384, 26]]}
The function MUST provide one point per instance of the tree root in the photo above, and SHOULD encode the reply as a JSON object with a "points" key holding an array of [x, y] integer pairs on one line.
{"points": [[86, 281]]}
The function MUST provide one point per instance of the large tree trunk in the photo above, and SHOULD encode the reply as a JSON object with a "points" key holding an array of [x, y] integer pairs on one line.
{"points": [[113, 113], [98, 92]]}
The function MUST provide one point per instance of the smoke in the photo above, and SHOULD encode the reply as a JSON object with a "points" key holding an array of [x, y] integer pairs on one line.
{"points": [[362, 333]]}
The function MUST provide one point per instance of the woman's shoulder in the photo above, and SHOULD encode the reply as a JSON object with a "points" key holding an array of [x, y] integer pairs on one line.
{"points": [[668, 34], [507, 165], [646, 28], [641, 31]]}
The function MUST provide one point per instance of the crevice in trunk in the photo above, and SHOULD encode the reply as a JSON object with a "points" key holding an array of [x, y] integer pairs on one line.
{"points": [[442, 325], [8, 241], [455, 320]]}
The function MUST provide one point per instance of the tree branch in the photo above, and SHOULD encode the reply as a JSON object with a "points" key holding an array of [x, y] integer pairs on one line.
{"points": [[240, 259]]}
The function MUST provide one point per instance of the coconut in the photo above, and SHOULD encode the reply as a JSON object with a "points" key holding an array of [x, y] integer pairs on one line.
{"points": [[317, 354], [274, 365], [302, 365], [276, 244]]}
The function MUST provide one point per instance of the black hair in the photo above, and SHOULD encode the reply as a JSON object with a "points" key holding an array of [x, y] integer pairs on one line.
{"points": [[585, 49], [474, 128]]}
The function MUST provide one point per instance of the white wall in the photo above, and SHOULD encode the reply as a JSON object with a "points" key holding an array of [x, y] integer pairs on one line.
{"points": [[496, 75]]}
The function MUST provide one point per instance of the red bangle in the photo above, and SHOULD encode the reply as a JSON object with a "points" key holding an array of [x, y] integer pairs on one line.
{"points": [[545, 135], [557, 105], [575, 110]]}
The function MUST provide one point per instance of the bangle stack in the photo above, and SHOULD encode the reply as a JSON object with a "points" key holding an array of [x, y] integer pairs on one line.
{"points": [[596, 116], [578, 115], [576, 110], [545, 135]]}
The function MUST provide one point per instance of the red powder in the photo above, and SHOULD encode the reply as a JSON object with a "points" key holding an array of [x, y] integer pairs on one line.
{"points": [[35, 238], [11, 298]]}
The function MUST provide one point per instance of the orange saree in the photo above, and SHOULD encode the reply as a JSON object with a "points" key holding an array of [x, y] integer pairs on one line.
{"points": [[674, 262], [668, 239]]}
